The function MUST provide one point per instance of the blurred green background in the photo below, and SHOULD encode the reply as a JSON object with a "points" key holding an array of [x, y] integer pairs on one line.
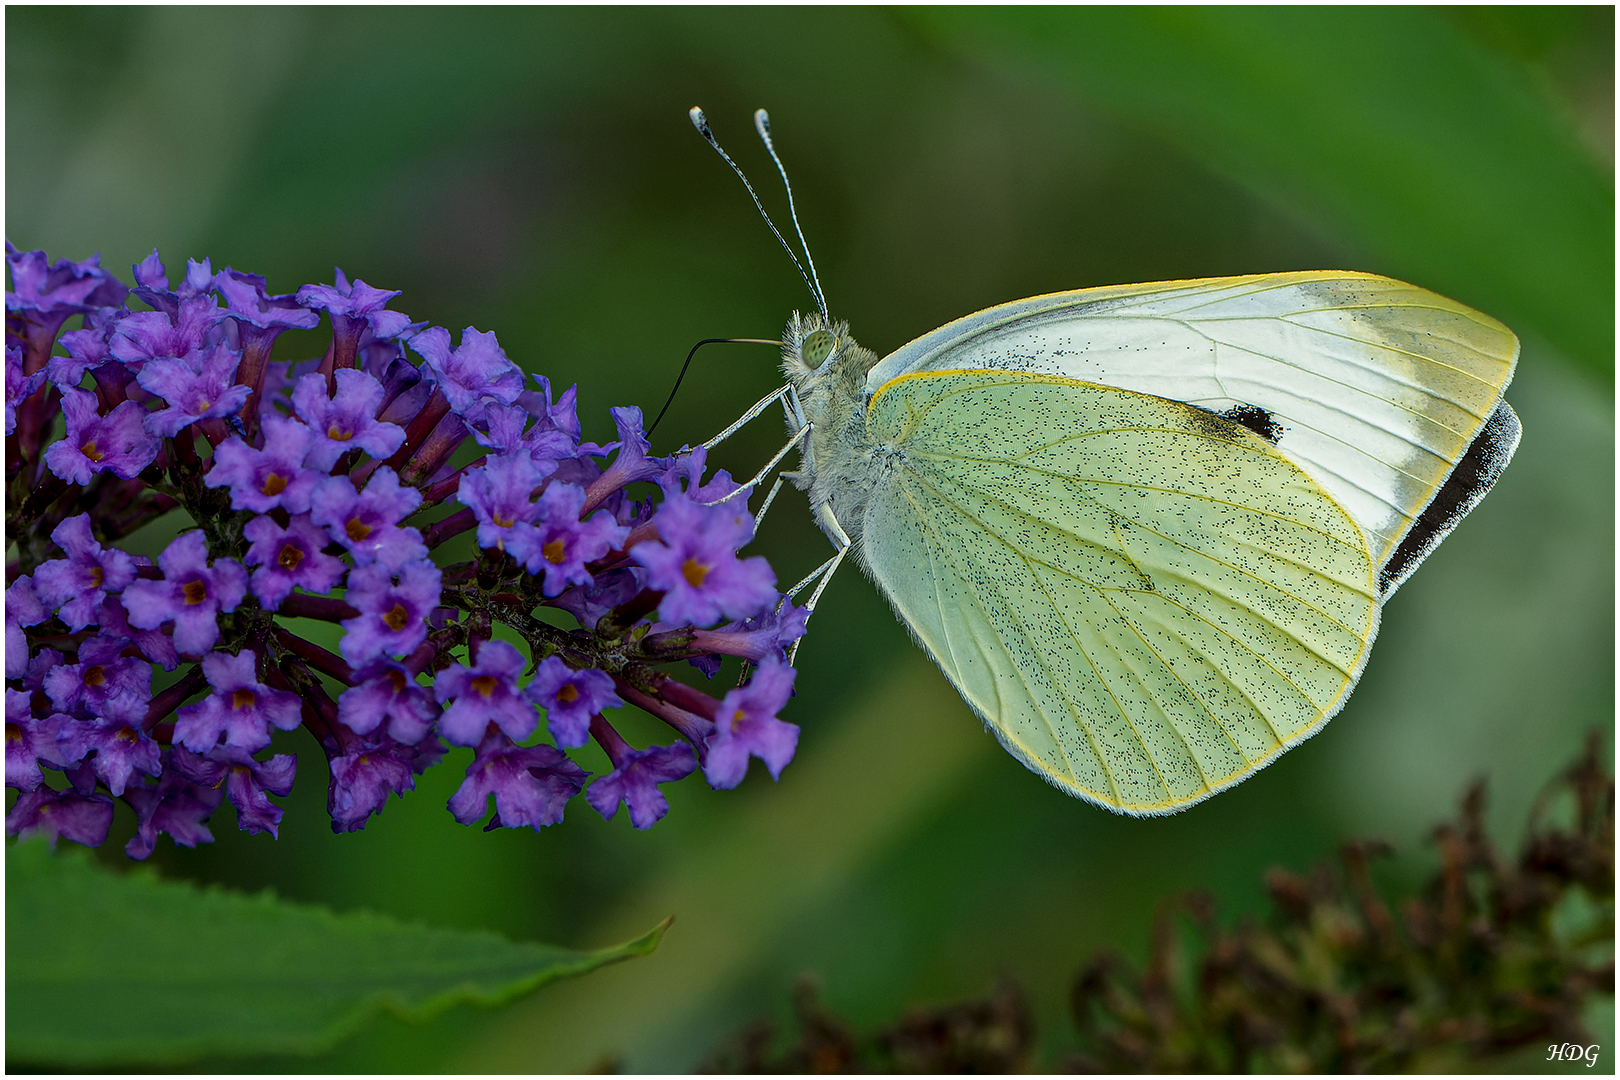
{"points": [[533, 172]]}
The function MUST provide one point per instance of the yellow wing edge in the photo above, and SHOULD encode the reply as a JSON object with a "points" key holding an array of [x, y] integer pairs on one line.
{"points": [[1275, 279]]}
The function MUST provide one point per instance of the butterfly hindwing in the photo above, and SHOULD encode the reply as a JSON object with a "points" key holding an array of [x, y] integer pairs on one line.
{"points": [[1144, 601], [1376, 388]]}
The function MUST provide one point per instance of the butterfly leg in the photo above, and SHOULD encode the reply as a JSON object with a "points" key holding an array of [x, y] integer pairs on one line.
{"points": [[822, 574], [758, 407], [764, 472], [781, 478]]}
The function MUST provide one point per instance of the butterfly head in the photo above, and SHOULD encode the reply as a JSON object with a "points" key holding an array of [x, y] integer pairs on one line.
{"points": [[817, 352]]}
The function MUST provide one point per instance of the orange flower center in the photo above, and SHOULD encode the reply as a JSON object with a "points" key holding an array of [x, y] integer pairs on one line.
{"points": [[243, 699], [397, 618], [397, 678], [291, 555], [554, 552], [195, 591], [501, 519], [568, 693], [337, 434], [485, 684], [274, 484], [96, 577], [357, 529], [94, 675], [90, 450], [694, 572]]}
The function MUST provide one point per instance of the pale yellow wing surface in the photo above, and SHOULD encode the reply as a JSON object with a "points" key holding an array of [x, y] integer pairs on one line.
{"points": [[1378, 388], [1142, 600]]}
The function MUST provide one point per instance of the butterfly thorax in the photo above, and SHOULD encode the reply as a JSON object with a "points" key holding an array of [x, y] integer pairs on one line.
{"points": [[841, 464]]}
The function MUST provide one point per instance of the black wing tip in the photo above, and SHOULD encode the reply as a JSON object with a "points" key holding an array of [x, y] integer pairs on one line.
{"points": [[1472, 478]]}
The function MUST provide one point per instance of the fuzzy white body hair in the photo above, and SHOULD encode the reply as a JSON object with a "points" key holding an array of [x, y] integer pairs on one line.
{"points": [[841, 464]]}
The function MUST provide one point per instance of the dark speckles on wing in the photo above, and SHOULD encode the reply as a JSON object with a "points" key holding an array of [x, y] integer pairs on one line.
{"points": [[1214, 425]]}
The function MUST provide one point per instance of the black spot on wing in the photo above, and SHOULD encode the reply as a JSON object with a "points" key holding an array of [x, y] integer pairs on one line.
{"points": [[1231, 424], [1257, 420], [1483, 462]]}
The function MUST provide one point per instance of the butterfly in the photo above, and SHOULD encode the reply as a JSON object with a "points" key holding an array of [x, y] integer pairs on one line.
{"points": [[1147, 531]]}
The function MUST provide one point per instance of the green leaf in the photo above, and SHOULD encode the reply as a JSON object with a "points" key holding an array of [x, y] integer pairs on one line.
{"points": [[1433, 156], [104, 969]]}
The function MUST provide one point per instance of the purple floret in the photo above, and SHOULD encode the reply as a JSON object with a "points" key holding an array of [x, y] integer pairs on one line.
{"points": [[368, 523], [685, 475], [635, 778], [499, 495], [362, 780], [357, 301], [289, 558], [247, 301], [240, 711], [756, 639], [695, 564], [485, 693], [40, 665], [196, 388], [632, 463], [588, 603], [174, 805], [531, 784], [76, 586], [145, 336], [501, 427], [20, 387], [746, 724], [559, 420], [118, 442], [150, 273], [121, 751], [191, 593], [63, 287], [261, 480], [102, 684], [155, 645], [84, 819], [345, 422], [558, 544], [30, 741], [22, 609], [152, 282], [476, 370], [85, 349], [570, 698], [248, 783], [393, 616], [47, 295], [23, 605], [385, 693]]}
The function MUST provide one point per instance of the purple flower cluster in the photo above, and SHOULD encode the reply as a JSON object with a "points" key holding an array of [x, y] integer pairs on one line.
{"points": [[319, 489]]}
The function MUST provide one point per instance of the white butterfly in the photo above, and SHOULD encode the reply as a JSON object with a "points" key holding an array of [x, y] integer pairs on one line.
{"points": [[1147, 530]]}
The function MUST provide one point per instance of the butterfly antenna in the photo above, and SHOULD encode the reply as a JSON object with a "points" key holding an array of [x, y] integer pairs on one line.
{"points": [[762, 124], [701, 122]]}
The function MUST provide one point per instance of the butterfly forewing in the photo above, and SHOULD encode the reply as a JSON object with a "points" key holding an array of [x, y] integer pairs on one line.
{"points": [[1377, 388], [1144, 601]]}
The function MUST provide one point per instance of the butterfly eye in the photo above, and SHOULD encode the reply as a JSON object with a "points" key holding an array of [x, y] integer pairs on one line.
{"points": [[816, 347]]}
